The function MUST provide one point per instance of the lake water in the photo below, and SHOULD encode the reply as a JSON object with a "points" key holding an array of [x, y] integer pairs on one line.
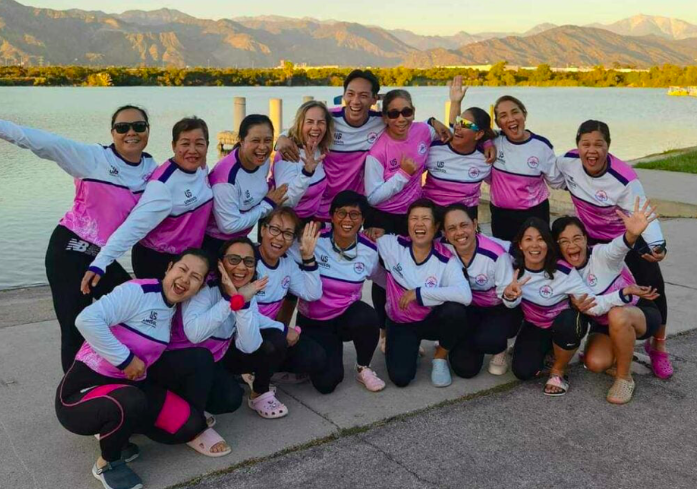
{"points": [[34, 193]]}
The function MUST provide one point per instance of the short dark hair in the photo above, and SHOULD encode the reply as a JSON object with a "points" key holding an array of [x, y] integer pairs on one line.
{"points": [[128, 107], [550, 263], [564, 222], [424, 203], [189, 124], [459, 206], [349, 198], [198, 252], [366, 75], [281, 211], [593, 125], [227, 244], [249, 122]]}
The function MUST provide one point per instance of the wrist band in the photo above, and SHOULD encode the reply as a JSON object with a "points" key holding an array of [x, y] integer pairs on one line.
{"points": [[237, 302], [309, 260]]}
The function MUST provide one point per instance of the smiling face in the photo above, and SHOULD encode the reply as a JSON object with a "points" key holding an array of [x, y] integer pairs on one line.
{"points": [[593, 149], [511, 119], [346, 222], [422, 226], [573, 245], [256, 147], [460, 231], [274, 247], [463, 137], [398, 128], [132, 143], [184, 278], [240, 274], [190, 150], [314, 126], [358, 98], [534, 249]]}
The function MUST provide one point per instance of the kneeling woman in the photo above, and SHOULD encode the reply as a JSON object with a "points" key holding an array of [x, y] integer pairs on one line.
{"points": [[490, 320], [604, 271], [226, 308], [546, 284], [426, 296], [105, 391]]}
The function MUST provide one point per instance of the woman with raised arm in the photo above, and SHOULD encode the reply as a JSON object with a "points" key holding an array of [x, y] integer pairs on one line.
{"points": [[602, 267], [109, 180]]}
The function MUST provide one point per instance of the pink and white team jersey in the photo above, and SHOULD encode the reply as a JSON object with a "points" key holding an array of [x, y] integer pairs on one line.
{"points": [[301, 280], [170, 217], [436, 280], [345, 162], [605, 271], [387, 186], [305, 189], [455, 177], [207, 321], [133, 320], [544, 298], [240, 198], [489, 271], [342, 276], [519, 172], [107, 187], [596, 198]]}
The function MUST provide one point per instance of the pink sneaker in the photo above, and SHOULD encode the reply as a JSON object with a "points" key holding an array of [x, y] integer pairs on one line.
{"points": [[370, 380], [660, 362]]}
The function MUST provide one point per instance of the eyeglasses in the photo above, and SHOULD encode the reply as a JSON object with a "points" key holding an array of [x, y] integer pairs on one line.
{"points": [[577, 240], [235, 260], [394, 113], [465, 124], [275, 231], [124, 127], [353, 215]]}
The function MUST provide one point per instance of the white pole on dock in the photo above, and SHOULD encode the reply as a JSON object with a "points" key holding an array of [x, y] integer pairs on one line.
{"points": [[239, 113], [446, 121], [276, 115]]}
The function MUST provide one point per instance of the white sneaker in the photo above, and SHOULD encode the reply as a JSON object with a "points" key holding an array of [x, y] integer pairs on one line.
{"points": [[498, 364]]}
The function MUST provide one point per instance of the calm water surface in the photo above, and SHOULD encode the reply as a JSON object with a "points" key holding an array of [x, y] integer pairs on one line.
{"points": [[34, 193]]}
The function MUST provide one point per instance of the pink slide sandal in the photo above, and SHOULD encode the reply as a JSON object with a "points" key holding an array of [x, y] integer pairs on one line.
{"points": [[207, 440]]}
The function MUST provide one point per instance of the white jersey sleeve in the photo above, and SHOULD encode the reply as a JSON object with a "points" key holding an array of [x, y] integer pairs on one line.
{"points": [[203, 314], [262, 321], [248, 336], [305, 282], [603, 303], [152, 208], [611, 255], [77, 159], [454, 288], [376, 188], [653, 235], [226, 209], [95, 321]]}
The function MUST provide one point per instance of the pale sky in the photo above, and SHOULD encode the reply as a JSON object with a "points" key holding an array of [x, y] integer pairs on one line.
{"points": [[431, 17]]}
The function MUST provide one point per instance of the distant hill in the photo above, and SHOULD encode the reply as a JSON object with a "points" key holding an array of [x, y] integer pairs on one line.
{"points": [[168, 37]]}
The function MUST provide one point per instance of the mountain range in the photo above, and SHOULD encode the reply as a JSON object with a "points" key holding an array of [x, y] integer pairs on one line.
{"points": [[167, 37]]}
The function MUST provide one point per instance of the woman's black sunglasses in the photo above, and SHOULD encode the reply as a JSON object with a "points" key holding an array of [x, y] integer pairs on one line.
{"points": [[124, 127]]}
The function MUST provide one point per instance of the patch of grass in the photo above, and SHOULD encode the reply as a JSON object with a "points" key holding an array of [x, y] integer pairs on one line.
{"points": [[685, 163]]}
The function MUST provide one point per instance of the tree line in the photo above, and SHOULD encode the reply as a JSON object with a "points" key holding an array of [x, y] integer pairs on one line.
{"points": [[289, 75]]}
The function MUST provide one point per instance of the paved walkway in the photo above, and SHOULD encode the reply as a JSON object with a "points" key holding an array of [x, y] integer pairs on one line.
{"points": [[36, 452]]}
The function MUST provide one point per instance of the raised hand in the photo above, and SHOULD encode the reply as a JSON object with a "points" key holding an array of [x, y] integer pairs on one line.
{"points": [[251, 289], [278, 194], [308, 240], [407, 164], [226, 281], [309, 158], [457, 91], [639, 220], [515, 288]]}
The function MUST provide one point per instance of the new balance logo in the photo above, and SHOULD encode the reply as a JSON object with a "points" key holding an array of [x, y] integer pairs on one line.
{"points": [[82, 247]]}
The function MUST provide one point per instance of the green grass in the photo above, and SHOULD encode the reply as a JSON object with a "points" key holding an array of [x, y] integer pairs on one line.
{"points": [[685, 163]]}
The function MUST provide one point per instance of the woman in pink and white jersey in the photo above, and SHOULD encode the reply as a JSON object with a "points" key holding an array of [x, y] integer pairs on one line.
{"points": [[602, 267], [109, 180], [109, 390], [172, 214]]}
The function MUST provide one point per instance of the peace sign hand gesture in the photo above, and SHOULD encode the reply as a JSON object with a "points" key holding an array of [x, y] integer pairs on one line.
{"points": [[515, 288], [639, 220], [308, 240]]}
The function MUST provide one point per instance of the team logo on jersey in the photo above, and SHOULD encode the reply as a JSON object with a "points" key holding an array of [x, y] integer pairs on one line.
{"points": [[323, 261], [372, 137], [422, 148], [473, 172], [247, 197], [152, 320], [546, 291], [393, 163], [500, 158], [188, 193], [190, 197], [285, 283], [358, 267], [533, 162], [601, 195], [113, 171], [481, 280], [440, 164], [431, 282], [398, 269], [592, 280], [338, 135]]}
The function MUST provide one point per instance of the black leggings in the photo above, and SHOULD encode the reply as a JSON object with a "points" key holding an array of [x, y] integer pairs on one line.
{"points": [[488, 330], [263, 362], [358, 323], [148, 263], [67, 259], [533, 343], [505, 223], [446, 323], [88, 403], [305, 357]]}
